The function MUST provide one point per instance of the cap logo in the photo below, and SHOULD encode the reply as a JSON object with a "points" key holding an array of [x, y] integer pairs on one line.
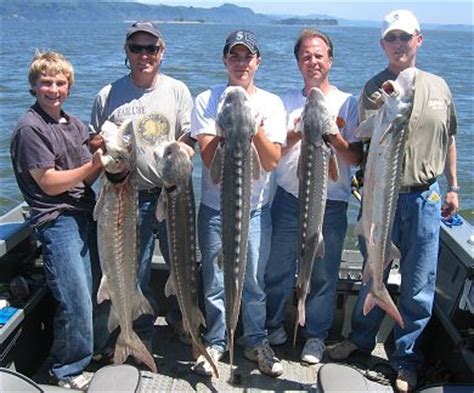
{"points": [[239, 36]]}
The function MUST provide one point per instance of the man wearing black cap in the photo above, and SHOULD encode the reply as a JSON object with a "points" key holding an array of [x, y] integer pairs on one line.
{"points": [[160, 107], [241, 57]]}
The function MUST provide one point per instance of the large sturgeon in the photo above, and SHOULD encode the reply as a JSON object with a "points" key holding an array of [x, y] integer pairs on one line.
{"points": [[387, 129], [313, 166], [234, 165], [116, 214], [177, 206]]}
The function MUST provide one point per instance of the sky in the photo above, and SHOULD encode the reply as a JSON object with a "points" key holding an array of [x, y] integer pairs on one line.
{"points": [[438, 12]]}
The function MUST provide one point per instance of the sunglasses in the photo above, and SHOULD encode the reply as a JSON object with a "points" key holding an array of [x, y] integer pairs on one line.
{"points": [[148, 49], [404, 37]]}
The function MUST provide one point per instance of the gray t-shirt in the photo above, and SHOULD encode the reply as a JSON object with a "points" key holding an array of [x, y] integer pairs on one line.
{"points": [[160, 114], [432, 121], [40, 142]]}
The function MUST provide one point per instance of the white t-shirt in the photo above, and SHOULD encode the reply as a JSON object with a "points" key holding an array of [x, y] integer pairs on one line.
{"points": [[160, 114], [341, 105], [203, 121]]}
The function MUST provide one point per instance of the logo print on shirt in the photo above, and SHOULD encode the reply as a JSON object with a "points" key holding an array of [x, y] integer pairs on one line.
{"points": [[153, 129]]}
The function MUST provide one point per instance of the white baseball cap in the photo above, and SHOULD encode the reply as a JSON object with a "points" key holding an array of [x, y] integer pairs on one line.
{"points": [[400, 20]]}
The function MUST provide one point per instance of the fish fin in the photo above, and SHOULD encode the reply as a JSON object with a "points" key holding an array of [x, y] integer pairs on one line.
{"points": [[197, 344], [103, 291], [320, 250], [99, 205], [113, 321], [215, 170], [386, 133], [231, 353], [394, 254], [169, 286], [132, 345], [161, 207], [300, 315], [368, 272], [333, 167], [365, 130], [141, 306], [257, 165], [220, 260], [298, 168], [385, 302], [359, 229]]}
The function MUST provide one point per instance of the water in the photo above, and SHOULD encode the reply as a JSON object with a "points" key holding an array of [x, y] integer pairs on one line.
{"points": [[193, 55]]}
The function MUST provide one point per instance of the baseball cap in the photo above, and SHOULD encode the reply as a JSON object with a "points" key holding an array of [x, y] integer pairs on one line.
{"points": [[145, 27], [400, 20], [242, 37]]}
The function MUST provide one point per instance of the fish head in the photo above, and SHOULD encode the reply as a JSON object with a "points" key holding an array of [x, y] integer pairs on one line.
{"points": [[237, 120], [316, 118], [398, 94], [120, 146], [176, 166]]}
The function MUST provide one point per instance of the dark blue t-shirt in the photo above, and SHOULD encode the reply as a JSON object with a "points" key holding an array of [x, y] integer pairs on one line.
{"points": [[39, 141]]}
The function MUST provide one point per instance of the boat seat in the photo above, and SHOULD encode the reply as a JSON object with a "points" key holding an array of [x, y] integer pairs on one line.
{"points": [[448, 388], [11, 234], [114, 378], [333, 377]]}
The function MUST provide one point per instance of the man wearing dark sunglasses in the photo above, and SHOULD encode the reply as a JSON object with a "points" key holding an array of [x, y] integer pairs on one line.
{"points": [[160, 107], [430, 150]]}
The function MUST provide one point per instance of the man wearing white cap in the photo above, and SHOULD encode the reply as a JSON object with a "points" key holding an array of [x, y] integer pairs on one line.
{"points": [[430, 150]]}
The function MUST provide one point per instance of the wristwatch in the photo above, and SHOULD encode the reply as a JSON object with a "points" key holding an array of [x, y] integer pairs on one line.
{"points": [[453, 189]]}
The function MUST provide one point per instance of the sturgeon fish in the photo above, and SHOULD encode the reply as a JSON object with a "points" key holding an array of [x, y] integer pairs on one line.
{"points": [[387, 129], [116, 214], [177, 206], [313, 166], [234, 165]]}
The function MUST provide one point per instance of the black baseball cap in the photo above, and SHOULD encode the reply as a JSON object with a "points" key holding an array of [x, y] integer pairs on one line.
{"points": [[145, 27], [242, 37]]}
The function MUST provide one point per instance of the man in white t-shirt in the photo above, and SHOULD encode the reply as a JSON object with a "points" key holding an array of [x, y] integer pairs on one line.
{"points": [[241, 57], [314, 54]]}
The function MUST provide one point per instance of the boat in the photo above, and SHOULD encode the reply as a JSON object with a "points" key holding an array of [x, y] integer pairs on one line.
{"points": [[447, 343]]}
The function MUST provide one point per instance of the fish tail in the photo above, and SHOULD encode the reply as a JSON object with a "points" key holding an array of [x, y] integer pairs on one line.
{"points": [[197, 343], [383, 299], [132, 345], [231, 354], [300, 319]]}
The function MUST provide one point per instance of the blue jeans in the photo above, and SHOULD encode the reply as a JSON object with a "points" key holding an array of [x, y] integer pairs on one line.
{"points": [[282, 265], [416, 234], [253, 296], [69, 247], [149, 230]]}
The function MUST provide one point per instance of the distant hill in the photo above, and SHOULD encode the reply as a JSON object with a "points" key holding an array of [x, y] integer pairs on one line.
{"points": [[94, 11], [126, 10], [307, 21]]}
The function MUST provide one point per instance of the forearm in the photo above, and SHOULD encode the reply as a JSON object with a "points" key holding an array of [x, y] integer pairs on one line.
{"points": [[292, 138], [451, 199], [208, 145], [351, 153], [450, 168], [54, 182], [268, 152]]}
